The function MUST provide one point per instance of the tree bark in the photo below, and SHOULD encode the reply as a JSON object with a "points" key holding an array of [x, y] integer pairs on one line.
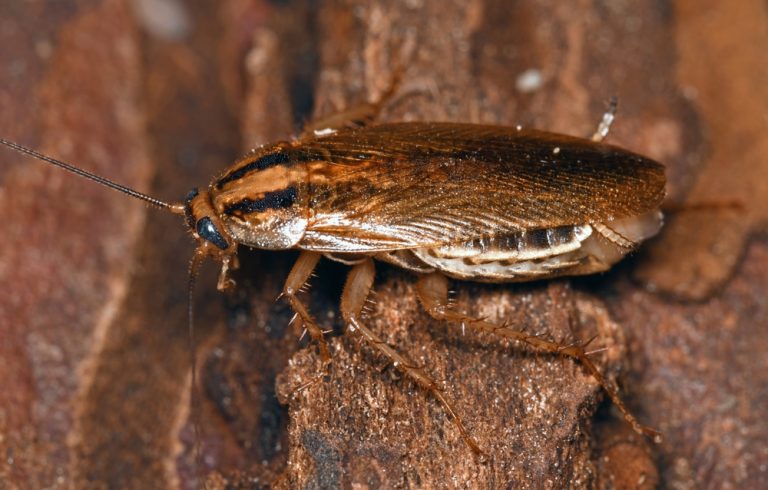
{"points": [[93, 316]]}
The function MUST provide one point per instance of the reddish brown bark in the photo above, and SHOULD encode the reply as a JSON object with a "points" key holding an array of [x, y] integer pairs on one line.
{"points": [[94, 351]]}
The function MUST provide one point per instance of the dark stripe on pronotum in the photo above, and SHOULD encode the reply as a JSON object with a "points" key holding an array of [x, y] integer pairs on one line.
{"points": [[261, 163], [271, 200]]}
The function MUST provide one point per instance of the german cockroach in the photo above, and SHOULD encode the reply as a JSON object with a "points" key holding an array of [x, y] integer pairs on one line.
{"points": [[444, 200]]}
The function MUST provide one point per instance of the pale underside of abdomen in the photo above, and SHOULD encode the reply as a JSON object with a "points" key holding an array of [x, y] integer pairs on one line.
{"points": [[533, 254]]}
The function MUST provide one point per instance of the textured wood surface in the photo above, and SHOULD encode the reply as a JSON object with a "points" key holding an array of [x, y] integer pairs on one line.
{"points": [[93, 345]]}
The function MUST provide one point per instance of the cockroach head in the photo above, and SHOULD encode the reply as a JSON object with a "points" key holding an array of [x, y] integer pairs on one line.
{"points": [[205, 225]]}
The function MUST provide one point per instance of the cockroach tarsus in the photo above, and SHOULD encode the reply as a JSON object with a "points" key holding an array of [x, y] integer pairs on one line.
{"points": [[475, 202]]}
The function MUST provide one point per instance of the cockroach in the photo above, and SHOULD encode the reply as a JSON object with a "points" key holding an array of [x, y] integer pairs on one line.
{"points": [[443, 200]]}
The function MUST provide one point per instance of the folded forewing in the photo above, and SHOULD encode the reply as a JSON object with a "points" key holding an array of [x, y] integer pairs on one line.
{"points": [[412, 185]]}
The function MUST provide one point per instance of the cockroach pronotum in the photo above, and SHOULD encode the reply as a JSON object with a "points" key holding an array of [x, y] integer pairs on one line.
{"points": [[409, 194]]}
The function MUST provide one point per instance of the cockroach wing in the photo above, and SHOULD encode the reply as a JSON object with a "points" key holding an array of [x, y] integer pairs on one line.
{"points": [[414, 185]]}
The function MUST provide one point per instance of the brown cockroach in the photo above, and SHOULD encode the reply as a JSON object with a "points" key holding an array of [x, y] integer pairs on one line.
{"points": [[444, 200]]}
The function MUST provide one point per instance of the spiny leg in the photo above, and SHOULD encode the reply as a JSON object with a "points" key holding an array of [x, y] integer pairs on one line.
{"points": [[298, 277], [432, 290], [356, 291], [357, 116]]}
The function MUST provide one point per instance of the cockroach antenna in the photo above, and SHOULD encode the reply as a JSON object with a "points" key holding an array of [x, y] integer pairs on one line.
{"points": [[172, 207]]}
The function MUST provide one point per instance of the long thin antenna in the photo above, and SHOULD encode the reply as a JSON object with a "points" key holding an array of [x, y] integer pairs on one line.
{"points": [[174, 208], [194, 269]]}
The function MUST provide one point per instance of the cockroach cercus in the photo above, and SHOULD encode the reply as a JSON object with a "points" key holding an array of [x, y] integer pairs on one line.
{"points": [[443, 200]]}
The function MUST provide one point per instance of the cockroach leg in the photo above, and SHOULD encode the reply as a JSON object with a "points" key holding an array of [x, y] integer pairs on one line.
{"points": [[579, 352], [299, 275], [432, 291], [228, 263], [605, 123], [354, 117], [357, 116], [356, 291]]}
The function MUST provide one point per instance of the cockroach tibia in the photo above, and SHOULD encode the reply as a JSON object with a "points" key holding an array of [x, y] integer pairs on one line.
{"points": [[481, 203]]}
